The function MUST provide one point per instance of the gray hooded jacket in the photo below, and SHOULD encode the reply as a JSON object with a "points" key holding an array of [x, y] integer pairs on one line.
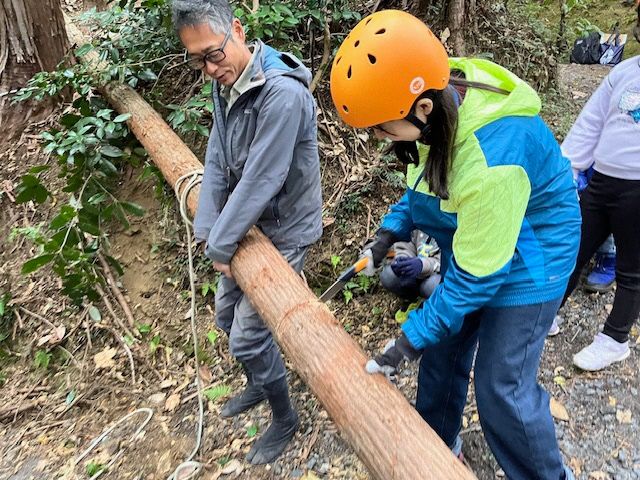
{"points": [[262, 166]]}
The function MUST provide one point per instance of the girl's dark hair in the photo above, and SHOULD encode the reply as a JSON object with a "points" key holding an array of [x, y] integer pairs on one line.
{"points": [[439, 135]]}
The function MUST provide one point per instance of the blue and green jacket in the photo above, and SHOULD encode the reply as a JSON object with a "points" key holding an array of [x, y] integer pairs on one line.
{"points": [[510, 230]]}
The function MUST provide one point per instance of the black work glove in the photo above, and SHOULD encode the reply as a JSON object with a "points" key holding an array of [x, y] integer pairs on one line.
{"points": [[379, 246], [394, 352]]}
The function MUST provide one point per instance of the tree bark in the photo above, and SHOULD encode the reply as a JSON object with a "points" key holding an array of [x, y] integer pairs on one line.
{"points": [[32, 38], [386, 433], [455, 20]]}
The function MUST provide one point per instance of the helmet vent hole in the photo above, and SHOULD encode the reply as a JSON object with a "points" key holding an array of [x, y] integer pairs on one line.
{"points": [[367, 22], [338, 60], [372, 59], [381, 31], [349, 72], [357, 43], [401, 112], [344, 107]]}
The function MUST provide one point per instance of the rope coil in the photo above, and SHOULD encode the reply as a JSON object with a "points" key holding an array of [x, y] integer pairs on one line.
{"points": [[190, 180]]}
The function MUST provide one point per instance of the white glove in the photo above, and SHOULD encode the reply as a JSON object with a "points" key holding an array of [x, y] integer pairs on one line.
{"points": [[369, 270]]}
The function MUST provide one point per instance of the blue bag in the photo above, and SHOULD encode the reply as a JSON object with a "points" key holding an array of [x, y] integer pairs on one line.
{"points": [[612, 50]]}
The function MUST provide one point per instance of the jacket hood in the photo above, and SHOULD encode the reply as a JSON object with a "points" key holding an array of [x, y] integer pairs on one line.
{"points": [[481, 107], [274, 63]]}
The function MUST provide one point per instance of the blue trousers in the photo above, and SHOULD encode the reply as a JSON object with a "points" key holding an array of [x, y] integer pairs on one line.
{"points": [[513, 407]]}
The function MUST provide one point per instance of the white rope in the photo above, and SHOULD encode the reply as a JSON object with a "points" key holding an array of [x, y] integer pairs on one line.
{"points": [[192, 179], [104, 434]]}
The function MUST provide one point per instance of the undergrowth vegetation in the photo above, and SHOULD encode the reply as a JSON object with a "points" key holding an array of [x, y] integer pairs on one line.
{"points": [[133, 42]]}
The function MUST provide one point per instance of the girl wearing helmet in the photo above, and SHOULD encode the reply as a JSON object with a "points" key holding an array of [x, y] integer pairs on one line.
{"points": [[490, 185]]}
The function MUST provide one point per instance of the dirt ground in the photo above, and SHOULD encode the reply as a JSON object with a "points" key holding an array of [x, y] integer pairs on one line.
{"points": [[48, 417]]}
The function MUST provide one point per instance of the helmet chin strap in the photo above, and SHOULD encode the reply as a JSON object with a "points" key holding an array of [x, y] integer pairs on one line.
{"points": [[424, 128]]}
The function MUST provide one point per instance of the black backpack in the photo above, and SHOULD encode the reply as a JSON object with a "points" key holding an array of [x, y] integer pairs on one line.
{"points": [[586, 50]]}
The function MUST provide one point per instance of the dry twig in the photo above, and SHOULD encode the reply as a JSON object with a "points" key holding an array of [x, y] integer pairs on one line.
{"points": [[116, 291], [111, 311], [325, 57]]}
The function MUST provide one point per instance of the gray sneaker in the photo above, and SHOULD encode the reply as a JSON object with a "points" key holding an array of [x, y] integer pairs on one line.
{"points": [[555, 326], [602, 352]]}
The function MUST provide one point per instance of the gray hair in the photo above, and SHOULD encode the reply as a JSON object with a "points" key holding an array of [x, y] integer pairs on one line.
{"points": [[187, 13]]}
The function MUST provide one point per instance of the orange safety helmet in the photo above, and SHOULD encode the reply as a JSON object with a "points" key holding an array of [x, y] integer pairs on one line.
{"points": [[383, 65]]}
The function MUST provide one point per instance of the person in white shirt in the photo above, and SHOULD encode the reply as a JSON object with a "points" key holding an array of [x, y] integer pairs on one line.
{"points": [[606, 135]]}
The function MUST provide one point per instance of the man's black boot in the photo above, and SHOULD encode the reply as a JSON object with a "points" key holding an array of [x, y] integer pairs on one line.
{"points": [[284, 425], [252, 395]]}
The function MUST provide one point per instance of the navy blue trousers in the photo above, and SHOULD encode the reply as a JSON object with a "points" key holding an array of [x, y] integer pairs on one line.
{"points": [[513, 407]]}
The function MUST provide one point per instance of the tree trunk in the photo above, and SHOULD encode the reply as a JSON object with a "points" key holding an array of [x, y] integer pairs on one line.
{"points": [[455, 21], [32, 38], [386, 433]]}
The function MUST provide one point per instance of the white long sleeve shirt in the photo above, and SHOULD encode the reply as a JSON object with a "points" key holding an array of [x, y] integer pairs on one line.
{"points": [[606, 134]]}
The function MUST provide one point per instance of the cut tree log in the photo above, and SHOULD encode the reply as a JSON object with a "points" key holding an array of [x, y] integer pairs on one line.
{"points": [[386, 433]]}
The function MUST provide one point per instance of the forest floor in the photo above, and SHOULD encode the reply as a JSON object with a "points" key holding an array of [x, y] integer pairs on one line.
{"points": [[50, 413]]}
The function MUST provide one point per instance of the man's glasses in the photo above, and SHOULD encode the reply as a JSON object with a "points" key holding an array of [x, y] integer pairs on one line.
{"points": [[198, 62]]}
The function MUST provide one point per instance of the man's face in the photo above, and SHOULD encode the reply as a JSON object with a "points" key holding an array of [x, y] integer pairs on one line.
{"points": [[200, 40]]}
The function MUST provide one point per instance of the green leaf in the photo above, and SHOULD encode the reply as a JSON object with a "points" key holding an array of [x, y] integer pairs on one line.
{"points": [[212, 336], [36, 263], [29, 181], [93, 468], [348, 295], [42, 359], [252, 431], [154, 344], [108, 166], [147, 75], [217, 392], [115, 264], [123, 117], [335, 260], [111, 151], [39, 168], [69, 120], [144, 328], [97, 198], [94, 313], [202, 130], [133, 208], [67, 213], [68, 73], [70, 397], [40, 194], [4, 301], [83, 50]]}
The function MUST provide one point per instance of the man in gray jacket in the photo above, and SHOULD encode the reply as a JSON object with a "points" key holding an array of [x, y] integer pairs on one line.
{"points": [[261, 168]]}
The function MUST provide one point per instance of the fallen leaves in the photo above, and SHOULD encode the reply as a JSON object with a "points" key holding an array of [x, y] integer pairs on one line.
{"points": [[309, 476], [576, 465], [623, 416], [558, 410], [157, 398], [172, 402], [104, 359], [599, 475], [232, 467], [54, 337]]}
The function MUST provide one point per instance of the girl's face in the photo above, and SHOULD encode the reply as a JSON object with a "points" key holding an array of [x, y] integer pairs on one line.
{"points": [[402, 130], [396, 131]]}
